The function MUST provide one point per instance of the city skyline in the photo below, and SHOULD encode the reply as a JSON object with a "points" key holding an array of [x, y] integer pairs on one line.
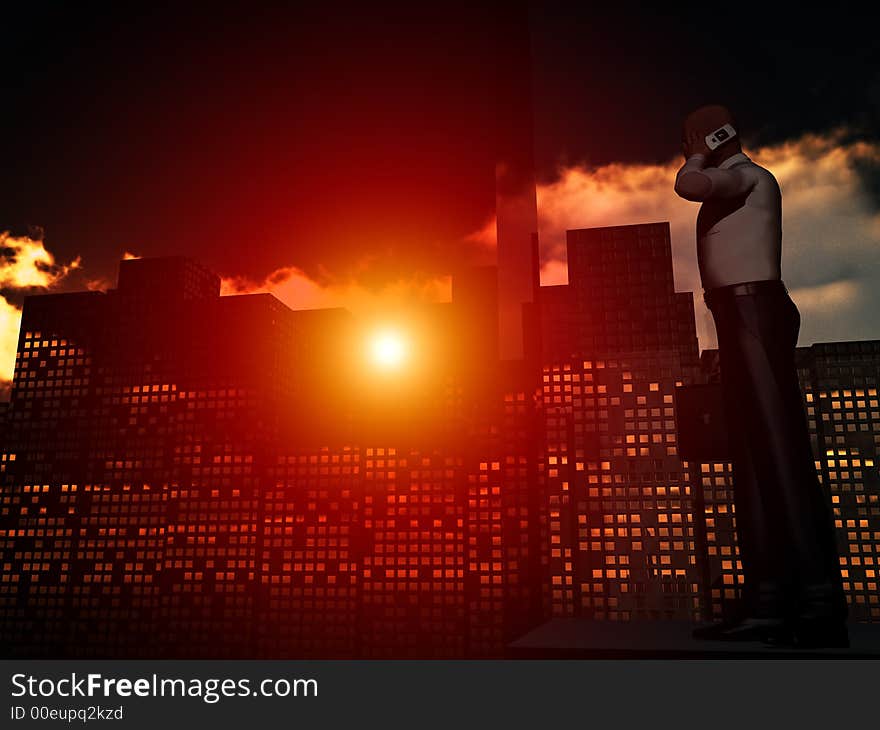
{"points": [[245, 474]]}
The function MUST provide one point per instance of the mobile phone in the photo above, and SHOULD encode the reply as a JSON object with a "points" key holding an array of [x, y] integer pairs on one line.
{"points": [[720, 136]]}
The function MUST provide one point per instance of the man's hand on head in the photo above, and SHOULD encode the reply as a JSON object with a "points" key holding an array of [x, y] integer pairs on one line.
{"points": [[694, 144]]}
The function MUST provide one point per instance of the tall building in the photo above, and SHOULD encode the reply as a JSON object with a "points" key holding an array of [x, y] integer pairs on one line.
{"points": [[620, 297], [840, 382], [619, 535]]}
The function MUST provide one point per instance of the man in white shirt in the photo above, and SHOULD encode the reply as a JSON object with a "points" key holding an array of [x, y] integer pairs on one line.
{"points": [[792, 592]]}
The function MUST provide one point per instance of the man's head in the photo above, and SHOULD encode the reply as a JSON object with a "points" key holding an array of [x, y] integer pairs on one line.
{"points": [[706, 120]]}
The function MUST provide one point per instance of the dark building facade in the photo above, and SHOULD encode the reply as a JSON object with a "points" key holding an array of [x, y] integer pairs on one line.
{"points": [[620, 297], [620, 536]]}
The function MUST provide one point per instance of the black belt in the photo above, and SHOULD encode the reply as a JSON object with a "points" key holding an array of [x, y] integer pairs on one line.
{"points": [[745, 288]]}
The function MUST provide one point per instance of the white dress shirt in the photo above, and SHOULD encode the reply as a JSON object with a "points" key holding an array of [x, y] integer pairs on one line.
{"points": [[739, 227]]}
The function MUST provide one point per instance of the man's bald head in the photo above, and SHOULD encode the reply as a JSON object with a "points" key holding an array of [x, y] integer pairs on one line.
{"points": [[706, 120]]}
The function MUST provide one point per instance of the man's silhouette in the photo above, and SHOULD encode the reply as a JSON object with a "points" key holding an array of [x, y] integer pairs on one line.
{"points": [[792, 589]]}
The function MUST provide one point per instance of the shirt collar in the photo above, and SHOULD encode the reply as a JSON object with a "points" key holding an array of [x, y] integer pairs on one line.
{"points": [[733, 160]]}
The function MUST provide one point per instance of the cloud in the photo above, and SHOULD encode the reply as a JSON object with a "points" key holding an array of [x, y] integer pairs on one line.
{"points": [[25, 264], [831, 258], [99, 284], [836, 294], [487, 236], [554, 271], [300, 291], [10, 323]]}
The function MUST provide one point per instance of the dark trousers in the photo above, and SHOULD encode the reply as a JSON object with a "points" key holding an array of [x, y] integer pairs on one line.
{"points": [[783, 518]]}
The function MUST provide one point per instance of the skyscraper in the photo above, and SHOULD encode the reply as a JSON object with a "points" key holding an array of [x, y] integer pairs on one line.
{"points": [[620, 297], [620, 540]]}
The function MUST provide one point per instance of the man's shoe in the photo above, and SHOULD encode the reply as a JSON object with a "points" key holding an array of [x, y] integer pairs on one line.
{"points": [[820, 634], [768, 630], [820, 619]]}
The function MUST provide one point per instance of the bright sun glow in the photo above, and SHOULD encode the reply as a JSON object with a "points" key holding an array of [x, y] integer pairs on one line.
{"points": [[388, 349]]}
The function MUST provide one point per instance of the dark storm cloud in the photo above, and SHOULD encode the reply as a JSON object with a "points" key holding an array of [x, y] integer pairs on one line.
{"points": [[614, 80]]}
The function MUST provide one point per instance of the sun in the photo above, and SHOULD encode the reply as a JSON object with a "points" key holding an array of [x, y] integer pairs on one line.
{"points": [[388, 349]]}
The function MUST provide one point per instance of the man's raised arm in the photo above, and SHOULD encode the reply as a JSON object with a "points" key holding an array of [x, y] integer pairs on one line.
{"points": [[696, 182]]}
